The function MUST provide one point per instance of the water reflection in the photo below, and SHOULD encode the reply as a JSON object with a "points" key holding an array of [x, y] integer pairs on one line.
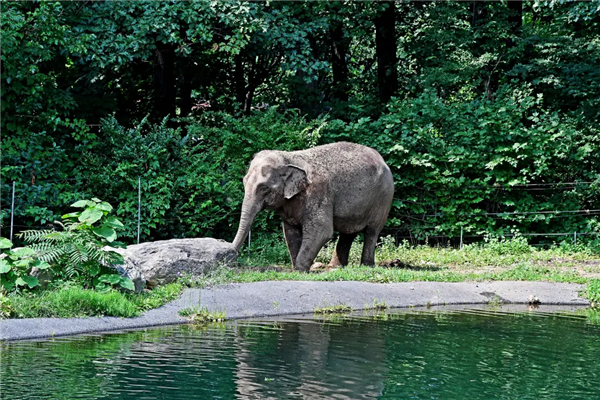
{"points": [[488, 353]]}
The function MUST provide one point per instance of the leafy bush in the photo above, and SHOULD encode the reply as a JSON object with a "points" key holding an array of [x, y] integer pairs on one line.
{"points": [[78, 250], [16, 265], [453, 161]]}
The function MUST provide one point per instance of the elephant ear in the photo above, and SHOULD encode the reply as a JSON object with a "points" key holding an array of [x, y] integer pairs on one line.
{"points": [[295, 180]]}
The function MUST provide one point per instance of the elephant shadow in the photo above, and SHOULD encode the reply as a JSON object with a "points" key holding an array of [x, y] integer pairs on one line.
{"points": [[397, 263]]}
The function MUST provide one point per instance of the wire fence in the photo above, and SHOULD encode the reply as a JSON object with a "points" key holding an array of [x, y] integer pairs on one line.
{"points": [[392, 230]]}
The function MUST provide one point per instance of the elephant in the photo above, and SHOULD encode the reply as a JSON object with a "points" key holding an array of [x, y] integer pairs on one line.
{"points": [[344, 187]]}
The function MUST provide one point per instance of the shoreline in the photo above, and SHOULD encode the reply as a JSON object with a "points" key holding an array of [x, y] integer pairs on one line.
{"points": [[279, 298]]}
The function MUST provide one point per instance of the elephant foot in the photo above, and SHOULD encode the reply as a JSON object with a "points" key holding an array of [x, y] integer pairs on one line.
{"points": [[320, 267]]}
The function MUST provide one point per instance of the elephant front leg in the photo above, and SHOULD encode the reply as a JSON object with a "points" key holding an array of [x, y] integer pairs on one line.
{"points": [[314, 237], [342, 250], [293, 238]]}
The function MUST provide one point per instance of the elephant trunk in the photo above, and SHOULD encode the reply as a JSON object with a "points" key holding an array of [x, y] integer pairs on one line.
{"points": [[249, 210]]}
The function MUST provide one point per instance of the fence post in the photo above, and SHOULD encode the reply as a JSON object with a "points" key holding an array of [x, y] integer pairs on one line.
{"points": [[575, 238], [139, 207], [12, 211], [461, 236]]}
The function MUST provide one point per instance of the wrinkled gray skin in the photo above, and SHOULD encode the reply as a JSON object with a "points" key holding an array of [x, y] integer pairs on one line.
{"points": [[342, 186]]}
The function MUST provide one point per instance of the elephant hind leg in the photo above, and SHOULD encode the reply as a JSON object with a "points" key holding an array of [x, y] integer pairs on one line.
{"points": [[370, 241], [342, 249]]}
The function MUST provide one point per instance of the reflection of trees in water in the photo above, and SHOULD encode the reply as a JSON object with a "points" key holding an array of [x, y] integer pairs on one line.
{"points": [[309, 359], [427, 355]]}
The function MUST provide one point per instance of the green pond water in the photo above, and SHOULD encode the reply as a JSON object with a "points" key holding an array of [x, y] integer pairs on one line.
{"points": [[459, 354]]}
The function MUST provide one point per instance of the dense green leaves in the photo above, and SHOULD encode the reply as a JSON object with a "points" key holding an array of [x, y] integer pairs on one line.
{"points": [[492, 98]]}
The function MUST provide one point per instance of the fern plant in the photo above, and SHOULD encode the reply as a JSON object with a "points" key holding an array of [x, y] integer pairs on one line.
{"points": [[77, 249]]}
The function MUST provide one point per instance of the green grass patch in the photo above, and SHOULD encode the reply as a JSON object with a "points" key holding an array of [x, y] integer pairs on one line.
{"points": [[69, 302], [336, 309], [73, 302], [200, 315]]}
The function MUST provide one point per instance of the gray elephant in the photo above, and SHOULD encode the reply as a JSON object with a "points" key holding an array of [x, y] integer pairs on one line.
{"points": [[342, 186]]}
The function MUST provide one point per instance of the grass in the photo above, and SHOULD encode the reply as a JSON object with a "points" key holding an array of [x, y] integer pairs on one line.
{"points": [[201, 315], [495, 259], [511, 259], [336, 309], [69, 302]]}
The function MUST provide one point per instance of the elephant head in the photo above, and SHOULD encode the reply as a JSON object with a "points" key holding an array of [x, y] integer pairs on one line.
{"points": [[271, 180]]}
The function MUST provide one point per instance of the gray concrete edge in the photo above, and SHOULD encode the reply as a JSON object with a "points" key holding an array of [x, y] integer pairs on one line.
{"points": [[278, 298]]}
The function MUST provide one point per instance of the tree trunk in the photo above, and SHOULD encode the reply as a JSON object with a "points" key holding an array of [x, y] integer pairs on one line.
{"points": [[339, 49], [515, 18], [240, 81], [385, 48], [185, 92], [164, 81]]}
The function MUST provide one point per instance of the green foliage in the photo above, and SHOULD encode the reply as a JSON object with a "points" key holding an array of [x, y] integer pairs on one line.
{"points": [[97, 95], [78, 250], [16, 265], [593, 291], [6, 309], [157, 297], [453, 162]]}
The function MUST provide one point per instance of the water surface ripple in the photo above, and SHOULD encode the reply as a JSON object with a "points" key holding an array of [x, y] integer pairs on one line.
{"points": [[479, 354]]}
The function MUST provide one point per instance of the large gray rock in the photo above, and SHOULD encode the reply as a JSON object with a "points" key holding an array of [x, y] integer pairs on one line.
{"points": [[157, 263]]}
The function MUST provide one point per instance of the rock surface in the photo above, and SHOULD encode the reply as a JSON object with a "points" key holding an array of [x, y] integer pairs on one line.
{"points": [[157, 263], [276, 298]]}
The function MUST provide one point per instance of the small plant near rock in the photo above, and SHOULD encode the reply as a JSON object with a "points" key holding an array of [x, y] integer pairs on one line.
{"points": [[336, 309], [379, 305], [495, 301], [199, 315]]}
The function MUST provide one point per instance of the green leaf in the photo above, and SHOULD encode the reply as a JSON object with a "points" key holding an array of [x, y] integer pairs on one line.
{"points": [[104, 206], [23, 252], [5, 243], [105, 232], [90, 215], [102, 287], [126, 283], [113, 222], [30, 281], [75, 214], [41, 264], [7, 283], [80, 204], [23, 262], [95, 199], [4, 266], [94, 269], [113, 279]]}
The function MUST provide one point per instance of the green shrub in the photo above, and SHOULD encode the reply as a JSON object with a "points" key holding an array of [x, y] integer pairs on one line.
{"points": [[16, 265], [78, 250]]}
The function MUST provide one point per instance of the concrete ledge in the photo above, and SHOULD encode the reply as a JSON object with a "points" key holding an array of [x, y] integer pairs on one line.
{"points": [[272, 298]]}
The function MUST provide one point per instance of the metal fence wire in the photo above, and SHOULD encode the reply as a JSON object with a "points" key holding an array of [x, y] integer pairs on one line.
{"points": [[533, 186]]}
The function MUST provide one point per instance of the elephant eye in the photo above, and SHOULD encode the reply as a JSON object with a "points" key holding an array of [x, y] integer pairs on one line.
{"points": [[263, 189]]}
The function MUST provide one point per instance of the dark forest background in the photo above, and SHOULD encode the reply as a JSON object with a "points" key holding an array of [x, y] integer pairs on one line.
{"points": [[481, 109]]}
